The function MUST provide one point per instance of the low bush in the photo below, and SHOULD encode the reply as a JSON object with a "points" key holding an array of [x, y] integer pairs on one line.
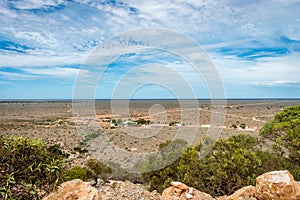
{"points": [[76, 172], [284, 131], [96, 169], [28, 168], [231, 164]]}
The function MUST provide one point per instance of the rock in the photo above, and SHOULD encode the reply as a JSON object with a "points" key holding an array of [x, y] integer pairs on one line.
{"points": [[243, 193], [180, 191], [201, 196], [179, 185], [177, 191], [119, 190], [277, 185], [225, 197], [75, 190], [168, 194], [188, 195]]}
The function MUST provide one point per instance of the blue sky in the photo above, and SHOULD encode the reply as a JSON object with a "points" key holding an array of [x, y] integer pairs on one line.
{"points": [[254, 44]]}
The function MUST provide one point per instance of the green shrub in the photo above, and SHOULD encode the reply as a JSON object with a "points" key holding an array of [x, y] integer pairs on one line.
{"points": [[284, 131], [28, 168], [97, 169], [169, 154], [173, 123], [76, 173], [231, 164], [243, 126], [142, 121]]}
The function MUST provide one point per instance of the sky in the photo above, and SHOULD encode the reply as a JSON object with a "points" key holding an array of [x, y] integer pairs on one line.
{"points": [[46, 46]]}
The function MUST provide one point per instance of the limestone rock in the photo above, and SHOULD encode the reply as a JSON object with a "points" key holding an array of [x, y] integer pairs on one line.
{"points": [[179, 185], [225, 197], [245, 192], [180, 191], [168, 194], [277, 185], [201, 196], [75, 190]]}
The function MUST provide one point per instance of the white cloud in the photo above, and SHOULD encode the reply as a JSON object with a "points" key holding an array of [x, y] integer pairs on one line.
{"points": [[37, 37], [23, 61], [17, 76], [265, 71], [62, 73], [35, 4], [56, 71], [66, 36]]}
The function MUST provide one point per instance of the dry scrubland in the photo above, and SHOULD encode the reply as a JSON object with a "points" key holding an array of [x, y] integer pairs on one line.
{"points": [[54, 122], [233, 163]]}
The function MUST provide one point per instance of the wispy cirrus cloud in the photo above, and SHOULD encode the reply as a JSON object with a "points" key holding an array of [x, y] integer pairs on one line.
{"points": [[251, 42]]}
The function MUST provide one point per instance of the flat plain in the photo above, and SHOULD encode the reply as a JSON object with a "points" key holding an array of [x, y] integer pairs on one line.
{"points": [[56, 122]]}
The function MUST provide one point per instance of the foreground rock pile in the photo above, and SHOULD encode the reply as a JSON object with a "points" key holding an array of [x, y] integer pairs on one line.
{"points": [[181, 191], [76, 189], [115, 190], [276, 185]]}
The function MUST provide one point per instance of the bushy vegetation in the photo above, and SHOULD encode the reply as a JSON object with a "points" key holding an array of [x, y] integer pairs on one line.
{"points": [[76, 172], [97, 169], [231, 164], [28, 168], [234, 162], [284, 131], [142, 121], [173, 123]]}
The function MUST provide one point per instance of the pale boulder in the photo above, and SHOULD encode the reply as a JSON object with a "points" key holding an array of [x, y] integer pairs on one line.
{"points": [[247, 192], [180, 191], [277, 185], [179, 185], [75, 190]]}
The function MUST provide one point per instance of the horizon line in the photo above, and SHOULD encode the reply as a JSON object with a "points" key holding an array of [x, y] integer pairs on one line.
{"points": [[151, 99]]}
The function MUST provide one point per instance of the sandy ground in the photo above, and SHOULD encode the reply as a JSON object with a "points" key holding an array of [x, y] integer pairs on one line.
{"points": [[57, 121]]}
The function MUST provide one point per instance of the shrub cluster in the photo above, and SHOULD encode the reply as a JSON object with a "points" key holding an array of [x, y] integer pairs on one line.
{"points": [[235, 162], [231, 164], [28, 168], [284, 131]]}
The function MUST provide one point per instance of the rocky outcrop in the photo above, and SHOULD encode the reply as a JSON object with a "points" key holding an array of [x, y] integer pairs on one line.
{"points": [[180, 191], [247, 192], [277, 185], [114, 190], [75, 190], [119, 190]]}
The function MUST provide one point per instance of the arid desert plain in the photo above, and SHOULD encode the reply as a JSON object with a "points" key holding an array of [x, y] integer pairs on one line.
{"points": [[56, 122]]}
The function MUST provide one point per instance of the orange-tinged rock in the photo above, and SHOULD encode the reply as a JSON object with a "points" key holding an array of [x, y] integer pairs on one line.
{"points": [[171, 193], [75, 190], [245, 192], [225, 197], [198, 195], [277, 185], [179, 185], [168, 194]]}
